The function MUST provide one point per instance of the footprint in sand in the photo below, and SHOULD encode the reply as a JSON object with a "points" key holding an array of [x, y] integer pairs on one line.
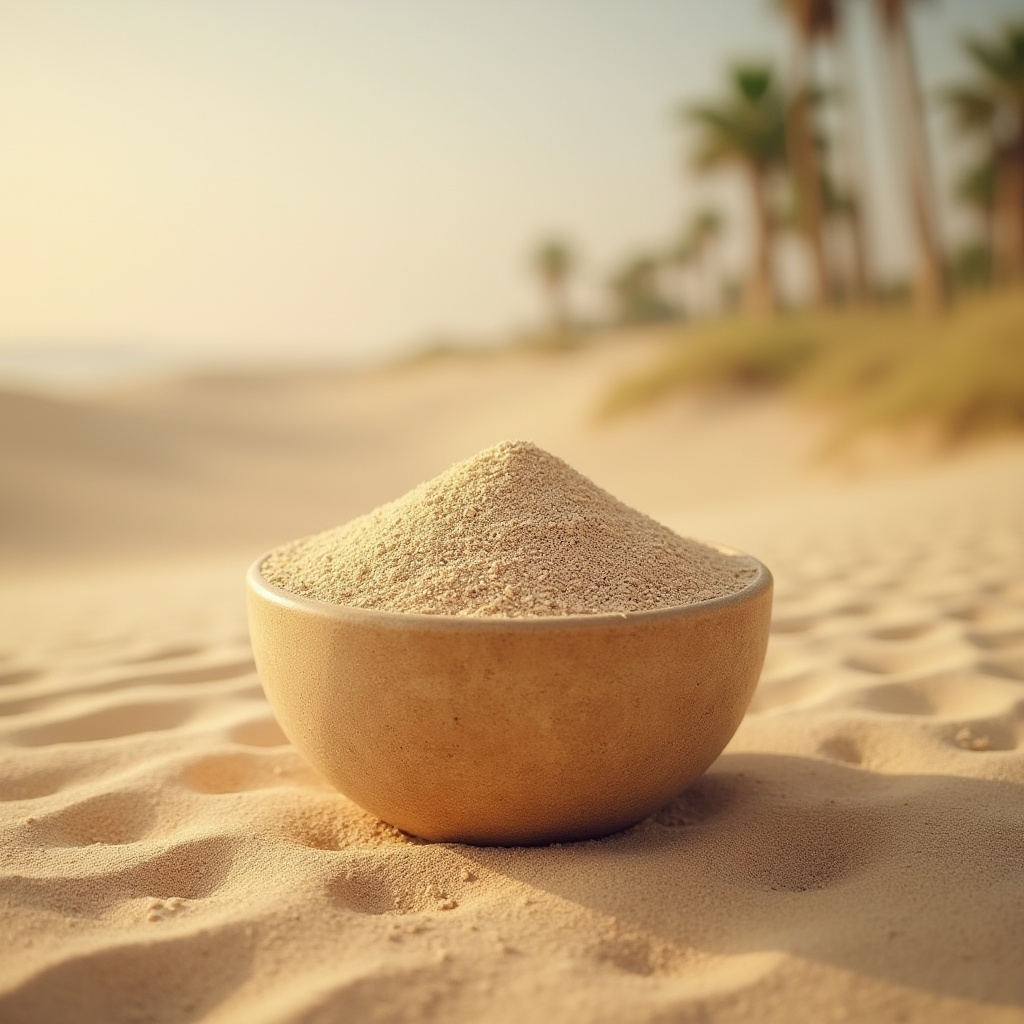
{"points": [[368, 885], [174, 978], [712, 796], [366, 890], [983, 736], [192, 869], [950, 694], [110, 819], [102, 881], [31, 785], [842, 748]]}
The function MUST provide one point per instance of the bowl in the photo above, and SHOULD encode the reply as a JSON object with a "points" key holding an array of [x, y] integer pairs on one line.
{"points": [[509, 731]]}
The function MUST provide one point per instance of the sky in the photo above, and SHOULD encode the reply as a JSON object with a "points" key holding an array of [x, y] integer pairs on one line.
{"points": [[245, 179]]}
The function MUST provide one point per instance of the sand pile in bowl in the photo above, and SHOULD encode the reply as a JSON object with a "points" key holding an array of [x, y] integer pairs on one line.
{"points": [[513, 531]]}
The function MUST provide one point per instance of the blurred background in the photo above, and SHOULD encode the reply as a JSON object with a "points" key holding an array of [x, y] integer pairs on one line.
{"points": [[266, 265]]}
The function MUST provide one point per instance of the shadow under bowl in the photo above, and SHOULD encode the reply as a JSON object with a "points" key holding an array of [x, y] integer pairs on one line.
{"points": [[510, 731]]}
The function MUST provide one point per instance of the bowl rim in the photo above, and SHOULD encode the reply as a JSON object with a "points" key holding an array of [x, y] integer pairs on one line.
{"points": [[262, 587]]}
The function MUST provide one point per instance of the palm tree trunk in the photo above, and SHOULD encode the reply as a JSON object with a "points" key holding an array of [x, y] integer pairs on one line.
{"points": [[1008, 216], [850, 144], [679, 288], [709, 277], [862, 291], [559, 307], [931, 290], [803, 157], [761, 294]]}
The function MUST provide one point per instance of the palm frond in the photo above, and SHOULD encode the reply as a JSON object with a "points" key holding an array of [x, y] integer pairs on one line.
{"points": [[1001, 63], [746, 126], [977, 187], [969, 107], [753, 81]]}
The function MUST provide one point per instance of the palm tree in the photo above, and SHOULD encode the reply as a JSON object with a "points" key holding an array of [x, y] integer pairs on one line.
{"points": [[637, 295], [693, 250], [554, 262], [706, 227], [992, 108], [976, 189], [814, 22], [930, 287], [680, 257], [842, 207], [811, 20], [746, 129]]}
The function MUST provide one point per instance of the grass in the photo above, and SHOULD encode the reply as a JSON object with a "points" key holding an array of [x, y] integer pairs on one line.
{"points": [[961, 373]]}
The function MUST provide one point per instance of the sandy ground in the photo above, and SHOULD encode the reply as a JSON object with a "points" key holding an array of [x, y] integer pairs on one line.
{"points": [[193, 465], [856, 854]]}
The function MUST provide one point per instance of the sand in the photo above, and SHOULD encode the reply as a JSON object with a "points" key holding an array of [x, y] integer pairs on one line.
{"points": [[855, 854], [512, 531], [243, 463]]}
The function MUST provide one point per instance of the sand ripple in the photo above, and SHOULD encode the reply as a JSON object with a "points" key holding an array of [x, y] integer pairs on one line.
{"points": [[855, 854]]}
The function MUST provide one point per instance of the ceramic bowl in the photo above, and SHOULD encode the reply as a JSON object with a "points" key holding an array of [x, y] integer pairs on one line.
{"points": [[509, 731]]}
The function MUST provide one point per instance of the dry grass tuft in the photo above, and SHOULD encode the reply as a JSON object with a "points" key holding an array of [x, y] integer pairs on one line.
{"points": [[962, 373]]}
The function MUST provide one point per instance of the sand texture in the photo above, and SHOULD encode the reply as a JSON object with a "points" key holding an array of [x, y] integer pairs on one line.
{"points": [[857, 853], [513, 532]]}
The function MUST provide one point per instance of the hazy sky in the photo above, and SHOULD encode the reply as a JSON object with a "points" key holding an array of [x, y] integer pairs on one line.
{"points": [[350, 176]]}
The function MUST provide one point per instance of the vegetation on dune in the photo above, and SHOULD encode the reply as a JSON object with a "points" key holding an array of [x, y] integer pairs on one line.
{"points": [[636, 293], [951, 360], [962, 373], [877, 366]]}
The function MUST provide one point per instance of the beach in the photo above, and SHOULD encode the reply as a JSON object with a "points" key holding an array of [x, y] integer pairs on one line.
{"points": [[167, 855]]}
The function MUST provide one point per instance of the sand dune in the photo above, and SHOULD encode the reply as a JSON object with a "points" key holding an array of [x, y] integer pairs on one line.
{"points": [[253, 460], [856, 853]]}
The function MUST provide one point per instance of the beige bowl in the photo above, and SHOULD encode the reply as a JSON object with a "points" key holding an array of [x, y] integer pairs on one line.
{"points": [[509, 731]]}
